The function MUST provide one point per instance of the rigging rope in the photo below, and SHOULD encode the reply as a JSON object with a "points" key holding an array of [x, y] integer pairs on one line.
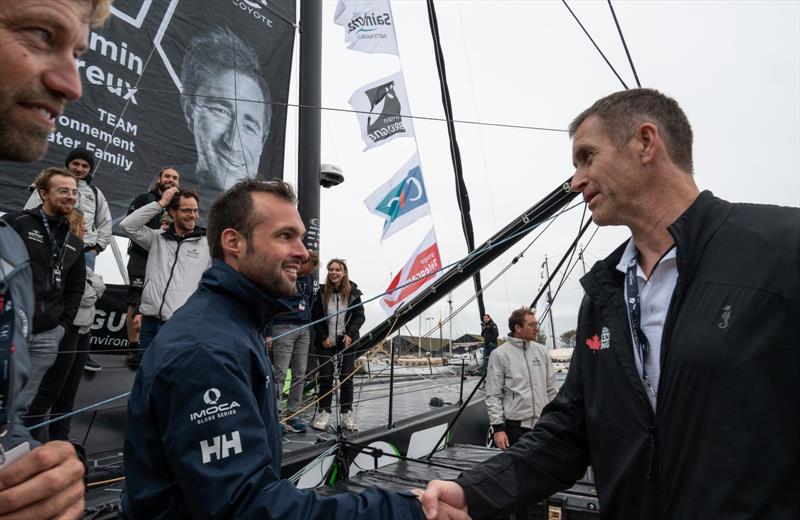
{"points": [[462, 196], [595, 45], [624, 44]]}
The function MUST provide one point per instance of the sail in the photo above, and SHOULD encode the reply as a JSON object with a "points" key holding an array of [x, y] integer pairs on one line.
{"points": [[199, 86]]}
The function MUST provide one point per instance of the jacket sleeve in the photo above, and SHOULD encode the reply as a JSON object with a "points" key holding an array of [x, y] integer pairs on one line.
{"points": [[135, 224], [357, 318], [549, 459], [494, 392], [74, 285], [552, 389], [225, 466], [102, 221], [317, 315]]}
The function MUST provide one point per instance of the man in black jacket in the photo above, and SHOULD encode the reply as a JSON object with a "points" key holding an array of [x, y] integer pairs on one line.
{"points": [[59, 271], [490, 333], [137, 260], [683, 391]]}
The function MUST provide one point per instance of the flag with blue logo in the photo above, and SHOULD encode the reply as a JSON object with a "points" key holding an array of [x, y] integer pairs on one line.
{"points": [[402, 200], [368, 25]]}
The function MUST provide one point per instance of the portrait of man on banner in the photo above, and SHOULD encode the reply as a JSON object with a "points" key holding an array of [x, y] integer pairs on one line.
{"points": [[227, 105]]}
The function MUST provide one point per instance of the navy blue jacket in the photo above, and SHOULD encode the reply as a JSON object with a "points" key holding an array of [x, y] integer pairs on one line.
{"points": [[202, 437]]}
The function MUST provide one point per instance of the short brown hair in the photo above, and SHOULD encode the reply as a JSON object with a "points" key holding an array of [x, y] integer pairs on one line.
{"points": [[518, 318], [183, 193], [42, 181], [623, 112], [234, 210]]}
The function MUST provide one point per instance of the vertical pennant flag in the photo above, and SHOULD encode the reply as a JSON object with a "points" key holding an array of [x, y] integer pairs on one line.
{"points": [[368, 25], [402, 200], [420, 271], [379, 106]]}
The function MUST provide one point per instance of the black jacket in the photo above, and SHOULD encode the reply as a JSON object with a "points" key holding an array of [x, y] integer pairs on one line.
{"points": [[354, 318], [53, 306], [155, 223], [489, 332], [724, 441]]}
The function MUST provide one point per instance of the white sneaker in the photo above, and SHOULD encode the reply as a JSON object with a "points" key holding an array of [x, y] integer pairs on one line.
{"points": [[349, 421], [321, 420]]}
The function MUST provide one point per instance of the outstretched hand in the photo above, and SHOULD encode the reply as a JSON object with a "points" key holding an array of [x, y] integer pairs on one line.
{"points": [[444, 500], [45, 483]]}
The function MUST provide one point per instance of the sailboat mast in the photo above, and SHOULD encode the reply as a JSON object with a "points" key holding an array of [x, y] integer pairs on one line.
{"points": [[309, 133]]}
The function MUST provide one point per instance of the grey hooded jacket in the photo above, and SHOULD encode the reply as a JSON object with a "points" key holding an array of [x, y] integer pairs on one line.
{"points": [[174, 264], [520, 381]]}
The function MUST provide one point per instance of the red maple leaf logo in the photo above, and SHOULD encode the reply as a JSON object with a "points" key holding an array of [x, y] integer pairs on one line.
{"points": [[593, 343]]}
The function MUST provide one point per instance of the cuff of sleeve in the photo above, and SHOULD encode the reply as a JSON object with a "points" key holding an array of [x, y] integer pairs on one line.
{"points": [[81, 453], [499, 427]]}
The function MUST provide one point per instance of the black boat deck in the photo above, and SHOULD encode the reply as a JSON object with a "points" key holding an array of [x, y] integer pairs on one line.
{"points": [[577, 503]]}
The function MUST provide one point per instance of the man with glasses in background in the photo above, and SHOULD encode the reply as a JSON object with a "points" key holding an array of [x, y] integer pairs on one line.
{"points": [[176, 257], [59, 271]]}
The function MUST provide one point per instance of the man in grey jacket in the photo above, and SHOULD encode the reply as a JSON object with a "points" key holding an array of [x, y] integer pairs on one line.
{"points": [[176, 260], [520, 380]]}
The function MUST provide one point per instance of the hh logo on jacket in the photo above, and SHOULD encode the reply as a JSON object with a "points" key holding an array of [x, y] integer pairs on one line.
{"points": [[601, 342], [220, 447]]}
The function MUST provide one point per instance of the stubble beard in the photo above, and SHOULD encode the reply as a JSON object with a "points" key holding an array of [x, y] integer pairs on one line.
{"points": [[19, 145], [21, 141], [267, 277]]}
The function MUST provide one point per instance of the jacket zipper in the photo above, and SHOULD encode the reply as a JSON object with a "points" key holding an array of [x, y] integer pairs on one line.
{"points": [[169, 280], [530, 379]]}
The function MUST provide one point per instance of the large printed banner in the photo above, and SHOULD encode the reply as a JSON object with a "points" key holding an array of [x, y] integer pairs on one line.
{"points": [[421, 270], [380, 107], [368, 25], [197, 85], [402, 200]]}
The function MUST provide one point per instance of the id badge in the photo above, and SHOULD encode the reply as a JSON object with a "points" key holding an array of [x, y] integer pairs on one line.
{"points": [[57, 277]]}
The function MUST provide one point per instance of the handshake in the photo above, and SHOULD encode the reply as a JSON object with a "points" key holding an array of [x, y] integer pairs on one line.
{"points": [[443, 500]]}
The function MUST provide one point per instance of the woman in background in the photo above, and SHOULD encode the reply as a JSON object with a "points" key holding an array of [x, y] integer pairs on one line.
{"points": [[334, 336]]}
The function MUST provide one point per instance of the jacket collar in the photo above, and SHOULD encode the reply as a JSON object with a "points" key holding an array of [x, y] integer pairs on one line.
{"points": [[261, 307], [36, 213], [519, 343], [694, 229], [170, 233]]}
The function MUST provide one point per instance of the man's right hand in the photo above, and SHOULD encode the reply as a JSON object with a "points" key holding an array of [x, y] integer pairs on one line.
{"points": [[46, 483], [444, 500], [327, 343], [166, 197], [501, 440], [137, 323]]}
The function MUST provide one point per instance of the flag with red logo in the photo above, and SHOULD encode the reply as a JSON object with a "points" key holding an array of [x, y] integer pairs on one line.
{"points": [[421, 270]]}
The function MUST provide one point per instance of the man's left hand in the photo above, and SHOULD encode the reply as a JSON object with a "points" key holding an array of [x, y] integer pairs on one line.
{"points": [[46, 483], [347, 341]]}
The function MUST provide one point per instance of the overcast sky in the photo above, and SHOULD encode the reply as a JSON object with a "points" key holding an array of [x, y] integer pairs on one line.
{"points": [[733, 66]]}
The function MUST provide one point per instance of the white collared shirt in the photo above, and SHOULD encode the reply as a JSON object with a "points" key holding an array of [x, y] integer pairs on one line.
{"points": [[655, 296]]}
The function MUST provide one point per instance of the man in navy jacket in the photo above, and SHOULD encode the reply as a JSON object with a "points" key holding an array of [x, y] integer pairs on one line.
{"points": [[202, 438]]}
